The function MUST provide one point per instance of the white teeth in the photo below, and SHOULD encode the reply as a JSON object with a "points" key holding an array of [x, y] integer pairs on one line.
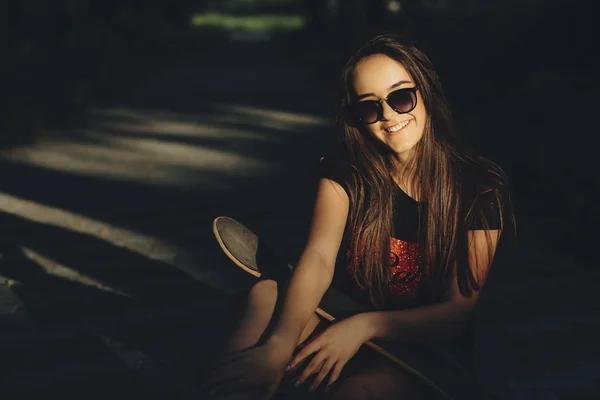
{"points": [[396, 128]]}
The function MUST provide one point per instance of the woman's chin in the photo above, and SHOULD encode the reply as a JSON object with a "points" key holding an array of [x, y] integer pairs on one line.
{"points": [[403, 152]]}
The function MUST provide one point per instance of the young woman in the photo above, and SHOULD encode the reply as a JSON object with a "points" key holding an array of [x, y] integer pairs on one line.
{"points": [[408, 221]]}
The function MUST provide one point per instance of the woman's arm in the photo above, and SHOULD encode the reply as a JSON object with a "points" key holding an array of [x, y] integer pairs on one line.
{"points": [[445, 320], [314, 272]]}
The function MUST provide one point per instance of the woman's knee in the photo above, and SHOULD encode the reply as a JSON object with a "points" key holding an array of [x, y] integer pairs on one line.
{"points": [[263, 290]]}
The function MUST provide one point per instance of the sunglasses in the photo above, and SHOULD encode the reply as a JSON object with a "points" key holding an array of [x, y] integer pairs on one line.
{"points": [[370, 111]]}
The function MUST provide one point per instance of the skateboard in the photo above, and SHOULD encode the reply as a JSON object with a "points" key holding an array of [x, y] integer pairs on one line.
{"points": [[246, 250]]}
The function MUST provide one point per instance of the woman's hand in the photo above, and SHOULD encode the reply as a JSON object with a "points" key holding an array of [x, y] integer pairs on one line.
{"points": [[333, 347], [260, 367]]}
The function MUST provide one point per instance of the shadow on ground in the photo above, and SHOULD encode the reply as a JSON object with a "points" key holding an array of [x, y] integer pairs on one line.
{"points": [[107, 222]]}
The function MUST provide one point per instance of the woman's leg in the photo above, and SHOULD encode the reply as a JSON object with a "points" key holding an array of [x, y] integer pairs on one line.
{"points": [[255, 324], [379, 379], [257, 317]]}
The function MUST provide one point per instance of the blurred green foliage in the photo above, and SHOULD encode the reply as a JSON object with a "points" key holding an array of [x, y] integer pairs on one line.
{"points": [[248, 22]]}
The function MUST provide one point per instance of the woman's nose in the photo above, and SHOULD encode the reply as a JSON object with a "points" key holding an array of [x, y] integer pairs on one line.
{"points": [[388, 112]]}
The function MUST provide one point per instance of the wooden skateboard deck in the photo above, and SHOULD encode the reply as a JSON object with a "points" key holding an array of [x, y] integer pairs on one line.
{"points": [[244, 248]]}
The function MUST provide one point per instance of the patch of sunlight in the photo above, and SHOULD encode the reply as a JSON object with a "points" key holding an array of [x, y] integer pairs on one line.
{"points": [[210, 149], [191, 156], [122, 113], [133, 241], [216, 125], [59, 270], [155, 124], [265, 22], [276, 115], [179, 128], [142, 160]]}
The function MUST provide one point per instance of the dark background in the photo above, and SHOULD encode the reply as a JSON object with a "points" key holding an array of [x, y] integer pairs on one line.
{"points": [[520, 75]]}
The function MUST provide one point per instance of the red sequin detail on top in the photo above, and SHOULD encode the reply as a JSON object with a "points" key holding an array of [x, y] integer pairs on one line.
{"points": [[406, 263], [406, 268]]}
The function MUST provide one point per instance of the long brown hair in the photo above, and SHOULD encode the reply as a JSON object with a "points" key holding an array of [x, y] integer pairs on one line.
{"points": [[437, 173]]}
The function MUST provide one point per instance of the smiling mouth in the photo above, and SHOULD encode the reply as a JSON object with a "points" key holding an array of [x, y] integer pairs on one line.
{"points": [[397, 127]]}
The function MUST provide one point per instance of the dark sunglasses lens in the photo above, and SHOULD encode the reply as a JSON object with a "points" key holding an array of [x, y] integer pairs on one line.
{"points": [[367, 111], [403, 100]]}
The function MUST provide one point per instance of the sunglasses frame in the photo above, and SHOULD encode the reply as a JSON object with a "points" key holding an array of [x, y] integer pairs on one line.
{"points": [[355, 120]]}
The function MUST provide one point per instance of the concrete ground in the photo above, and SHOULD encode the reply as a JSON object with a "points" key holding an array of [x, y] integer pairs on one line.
{"points": [[107, 241]]}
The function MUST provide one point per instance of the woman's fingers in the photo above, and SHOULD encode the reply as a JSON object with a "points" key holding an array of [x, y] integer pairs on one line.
{"points": [[335, 373], [302, 354], [313, 367], [322, 374]]}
